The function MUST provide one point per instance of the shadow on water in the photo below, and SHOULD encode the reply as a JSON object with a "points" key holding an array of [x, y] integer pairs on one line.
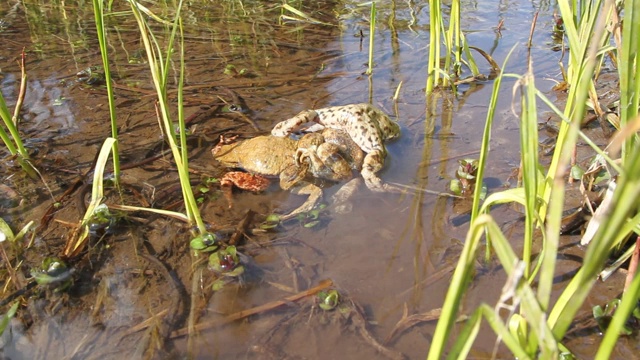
{"points": [[392, 253]]}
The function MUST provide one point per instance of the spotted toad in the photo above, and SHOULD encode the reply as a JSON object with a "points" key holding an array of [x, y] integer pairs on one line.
{"points": [[368, 126]]}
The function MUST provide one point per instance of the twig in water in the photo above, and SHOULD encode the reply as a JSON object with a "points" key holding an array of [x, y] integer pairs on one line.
{"points": [[407, 321], [324, 284], [533, 28]]}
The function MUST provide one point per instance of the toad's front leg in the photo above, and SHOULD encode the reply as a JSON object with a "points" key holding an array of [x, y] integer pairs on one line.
{"points": [[296, 123]]}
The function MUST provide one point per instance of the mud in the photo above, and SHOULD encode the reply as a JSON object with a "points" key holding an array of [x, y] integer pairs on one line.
{"points": [[133, 288]]}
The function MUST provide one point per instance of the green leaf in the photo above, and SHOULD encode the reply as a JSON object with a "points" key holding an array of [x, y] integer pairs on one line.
{"points": [[455, 186], [239, 270], [313, 214], [311, 224], [218, 284], [597, 311], [197, 244], [328, 300], [576, 172], [5, 231], [204, 242], [6, 318], [268, 226]]}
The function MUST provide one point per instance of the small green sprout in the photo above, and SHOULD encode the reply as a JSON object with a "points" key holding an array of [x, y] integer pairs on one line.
{"points": [[328, 300], [52, 271], [206, 242], [603, 317], [465, 180], [226, 262]]}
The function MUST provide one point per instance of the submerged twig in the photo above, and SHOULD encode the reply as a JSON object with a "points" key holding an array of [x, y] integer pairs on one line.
{"points": [[426, 191], [407, 321], [324, 284], [357, 317], [242, 227], [23, 91]]}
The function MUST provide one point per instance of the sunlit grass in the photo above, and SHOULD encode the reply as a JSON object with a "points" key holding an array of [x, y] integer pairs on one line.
{"points": [[159, 66], [372, 34], [455, 44], [12, 139], [98, 11], [536, 326], [81, 234]]}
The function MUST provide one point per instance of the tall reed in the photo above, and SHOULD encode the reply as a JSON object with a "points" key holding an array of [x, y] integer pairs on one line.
{"points": [[98, 12], [372, 33], [535, 325], [455, 44], [159, 66], [12, 140]]}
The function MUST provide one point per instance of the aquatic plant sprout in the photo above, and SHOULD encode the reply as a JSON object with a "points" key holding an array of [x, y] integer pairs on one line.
{"points": [[12, 140], [454, 42], [81, 234]]}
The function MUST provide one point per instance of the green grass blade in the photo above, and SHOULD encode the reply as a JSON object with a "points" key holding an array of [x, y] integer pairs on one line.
{"points": [[462, 347], [13, 144], [98, 11], [458, 286], [97, 194], [626, 199], [159, 72], [486, 137], [372, 33], [628, 65], [529, 161], [433, 65], [6, 318], [623, 312]]}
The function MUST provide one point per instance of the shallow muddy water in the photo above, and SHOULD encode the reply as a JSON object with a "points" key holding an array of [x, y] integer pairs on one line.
{"points": [[391, 253]]}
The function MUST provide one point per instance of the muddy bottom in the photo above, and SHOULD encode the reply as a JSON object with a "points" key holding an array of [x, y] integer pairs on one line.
{"points": [[137, 290]]}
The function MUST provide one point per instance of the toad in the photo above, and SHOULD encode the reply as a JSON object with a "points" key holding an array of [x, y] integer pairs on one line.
{"points": [[330, 155], [368, 126]]}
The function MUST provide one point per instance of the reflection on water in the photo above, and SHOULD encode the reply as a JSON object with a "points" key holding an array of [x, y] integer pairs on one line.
{"points": [[389, 254]]}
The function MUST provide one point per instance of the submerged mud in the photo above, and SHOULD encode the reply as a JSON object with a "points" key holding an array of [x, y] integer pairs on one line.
{"points": [[136, 287]]}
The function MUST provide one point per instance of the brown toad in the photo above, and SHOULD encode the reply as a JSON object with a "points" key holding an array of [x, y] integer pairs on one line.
{"points": [[296, 162]]}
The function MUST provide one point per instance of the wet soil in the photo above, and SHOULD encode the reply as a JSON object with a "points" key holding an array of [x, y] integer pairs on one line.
{"points": [[133, 287]]}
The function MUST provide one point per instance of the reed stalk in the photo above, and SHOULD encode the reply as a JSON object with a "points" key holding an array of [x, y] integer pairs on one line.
{"points": [[98, 12], [372, 33], [539, 326], [159, 66]]}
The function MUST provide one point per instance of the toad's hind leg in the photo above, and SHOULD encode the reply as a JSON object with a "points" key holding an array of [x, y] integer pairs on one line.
{"points": [[373, 163], [315, 195], [341, 200]]}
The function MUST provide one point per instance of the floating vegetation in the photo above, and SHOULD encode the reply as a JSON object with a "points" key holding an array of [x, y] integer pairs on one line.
{"points": [[465, 182], [604, 315], [53, 273], [206, 242], [226, 262]]}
